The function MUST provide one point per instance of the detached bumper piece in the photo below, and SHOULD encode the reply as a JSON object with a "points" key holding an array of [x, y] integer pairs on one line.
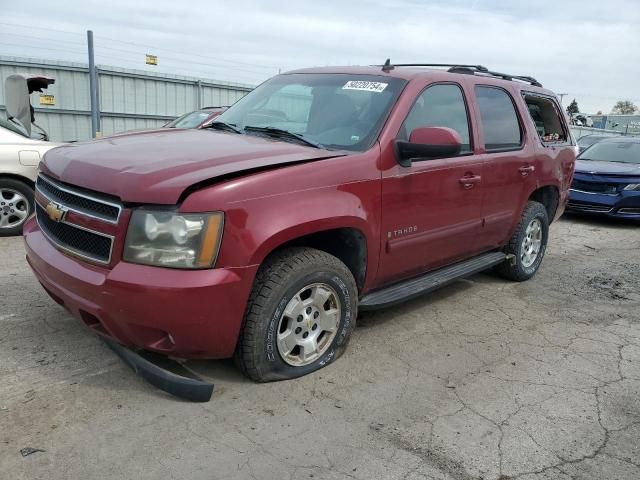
{"points": [[164, 373]]}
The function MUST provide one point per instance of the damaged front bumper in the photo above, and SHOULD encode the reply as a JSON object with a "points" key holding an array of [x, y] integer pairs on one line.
{"points": [[164, 373]]}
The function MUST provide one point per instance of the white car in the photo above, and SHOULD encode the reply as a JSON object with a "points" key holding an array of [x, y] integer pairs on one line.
{"points": [[19, 159]]}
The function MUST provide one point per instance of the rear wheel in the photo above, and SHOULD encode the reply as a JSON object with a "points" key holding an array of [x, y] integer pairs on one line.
{"points": [[16, 204], [299, 317], [527, 245]]}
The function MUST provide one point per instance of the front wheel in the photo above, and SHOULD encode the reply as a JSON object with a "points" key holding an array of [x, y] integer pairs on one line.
{"points": [[16, 204], [299, 317], [528, 244]]}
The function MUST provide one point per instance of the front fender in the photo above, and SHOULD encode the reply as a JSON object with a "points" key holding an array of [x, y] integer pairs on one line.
{"points": [[309, 227], [257, 227], [265, 210], [254, 228]]}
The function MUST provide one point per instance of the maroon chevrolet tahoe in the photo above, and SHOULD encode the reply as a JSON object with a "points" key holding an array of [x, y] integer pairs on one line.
{"points": [[322, 192]]}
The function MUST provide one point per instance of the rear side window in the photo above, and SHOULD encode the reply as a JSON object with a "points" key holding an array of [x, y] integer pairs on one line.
{"points": [[440, 105], [546, 118], [499, 119]]}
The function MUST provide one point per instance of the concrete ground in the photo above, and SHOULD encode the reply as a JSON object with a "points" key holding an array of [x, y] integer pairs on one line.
{"points": [[485, 379]]}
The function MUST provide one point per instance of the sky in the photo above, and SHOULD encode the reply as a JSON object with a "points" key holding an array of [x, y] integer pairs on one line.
{"points": [[587, 49]]}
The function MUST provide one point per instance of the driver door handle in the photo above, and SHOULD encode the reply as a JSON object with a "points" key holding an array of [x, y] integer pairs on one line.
{"points": [[469, 181], [526, 170]]}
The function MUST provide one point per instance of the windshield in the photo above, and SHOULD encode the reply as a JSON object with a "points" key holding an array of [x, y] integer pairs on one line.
{"points": [[623, 152], [340, 111], [189, 120], [589, 140]]}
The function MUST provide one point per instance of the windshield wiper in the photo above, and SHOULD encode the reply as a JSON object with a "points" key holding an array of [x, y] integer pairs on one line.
{"points": [[229, 127], [280, 132]]}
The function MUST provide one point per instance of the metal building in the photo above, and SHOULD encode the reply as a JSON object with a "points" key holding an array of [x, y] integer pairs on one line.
{"points": [[128, 99], [627, 124]]}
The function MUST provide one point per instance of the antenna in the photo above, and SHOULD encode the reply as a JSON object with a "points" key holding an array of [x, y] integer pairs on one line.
{"points": [[387, 67]]}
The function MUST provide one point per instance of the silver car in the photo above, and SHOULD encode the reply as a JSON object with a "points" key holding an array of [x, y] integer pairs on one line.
{"points": [[20, 152], [19, 159]]}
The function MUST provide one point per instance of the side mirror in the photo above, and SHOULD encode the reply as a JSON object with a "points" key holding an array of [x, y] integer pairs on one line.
{"points": [[428, 142]]}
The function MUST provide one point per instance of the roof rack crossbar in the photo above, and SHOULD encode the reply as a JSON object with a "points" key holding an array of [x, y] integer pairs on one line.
{"points": [[463, 68]]}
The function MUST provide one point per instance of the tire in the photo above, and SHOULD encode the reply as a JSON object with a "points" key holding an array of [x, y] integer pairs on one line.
{"points": [[523, 266], [16, 204], [278, 301]]}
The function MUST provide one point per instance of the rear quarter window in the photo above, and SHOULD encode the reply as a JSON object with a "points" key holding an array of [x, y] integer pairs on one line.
{"points": [[546, 117], [500, 122]]}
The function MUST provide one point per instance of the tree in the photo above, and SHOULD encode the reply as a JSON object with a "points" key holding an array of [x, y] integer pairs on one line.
{"points": [[573, 108], [624, 107], [599, 112]]}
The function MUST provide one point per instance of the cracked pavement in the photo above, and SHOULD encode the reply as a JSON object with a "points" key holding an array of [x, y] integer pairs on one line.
{"points": [[485, 379]]}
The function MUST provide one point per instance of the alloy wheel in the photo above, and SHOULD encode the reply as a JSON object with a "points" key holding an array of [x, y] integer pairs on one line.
{"points": [[531, 243], [14, 208], [308, 324]]}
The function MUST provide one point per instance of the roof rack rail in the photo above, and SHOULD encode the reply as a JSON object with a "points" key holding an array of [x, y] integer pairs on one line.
{"points": [[453, 65], [465, 69], [472, 71]]}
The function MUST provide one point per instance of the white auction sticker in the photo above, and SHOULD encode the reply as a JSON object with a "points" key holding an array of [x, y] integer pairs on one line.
{"points": [[364, 85]]}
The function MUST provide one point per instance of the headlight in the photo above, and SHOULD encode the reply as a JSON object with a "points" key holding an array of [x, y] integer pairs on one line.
{"points": [[170, 239], [634, 187]]}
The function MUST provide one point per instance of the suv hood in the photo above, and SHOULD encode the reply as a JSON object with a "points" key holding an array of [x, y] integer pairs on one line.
{"points": [[607, 168], [157, 166]]}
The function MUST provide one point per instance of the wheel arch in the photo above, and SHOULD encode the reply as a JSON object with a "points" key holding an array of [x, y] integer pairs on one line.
{"points": [[549, 196], [14, 176], [345, 241]]}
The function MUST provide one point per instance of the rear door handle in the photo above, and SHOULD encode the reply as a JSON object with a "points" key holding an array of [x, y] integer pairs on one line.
{"points": [[526, 170], [469, 181]]}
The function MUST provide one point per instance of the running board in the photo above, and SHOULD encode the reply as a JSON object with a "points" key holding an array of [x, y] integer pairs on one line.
{"points": [[407, 289]]}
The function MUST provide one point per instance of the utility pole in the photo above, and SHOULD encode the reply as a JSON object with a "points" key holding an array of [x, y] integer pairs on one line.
{"points": [[198, 94], [561, 95], [93, 89]]}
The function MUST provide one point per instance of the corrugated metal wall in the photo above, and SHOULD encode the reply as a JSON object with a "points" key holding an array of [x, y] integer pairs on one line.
{"points": [[579, 132], [295, 107], [129, 99], [628, 124]]}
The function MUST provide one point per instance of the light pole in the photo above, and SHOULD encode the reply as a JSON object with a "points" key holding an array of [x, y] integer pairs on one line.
{"points": [[93, 89], [561, 95]]}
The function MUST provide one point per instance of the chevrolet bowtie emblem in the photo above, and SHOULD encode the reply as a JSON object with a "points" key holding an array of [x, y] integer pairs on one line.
{"points": [[56, 212]]}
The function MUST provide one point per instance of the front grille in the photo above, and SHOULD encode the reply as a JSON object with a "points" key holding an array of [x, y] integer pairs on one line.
{"points": [[595, 187], [584, 207], [78, 201], [75, 240]]}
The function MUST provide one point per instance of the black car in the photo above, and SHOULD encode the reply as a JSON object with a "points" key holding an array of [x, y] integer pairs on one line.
{"points": [[607, 179]]}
